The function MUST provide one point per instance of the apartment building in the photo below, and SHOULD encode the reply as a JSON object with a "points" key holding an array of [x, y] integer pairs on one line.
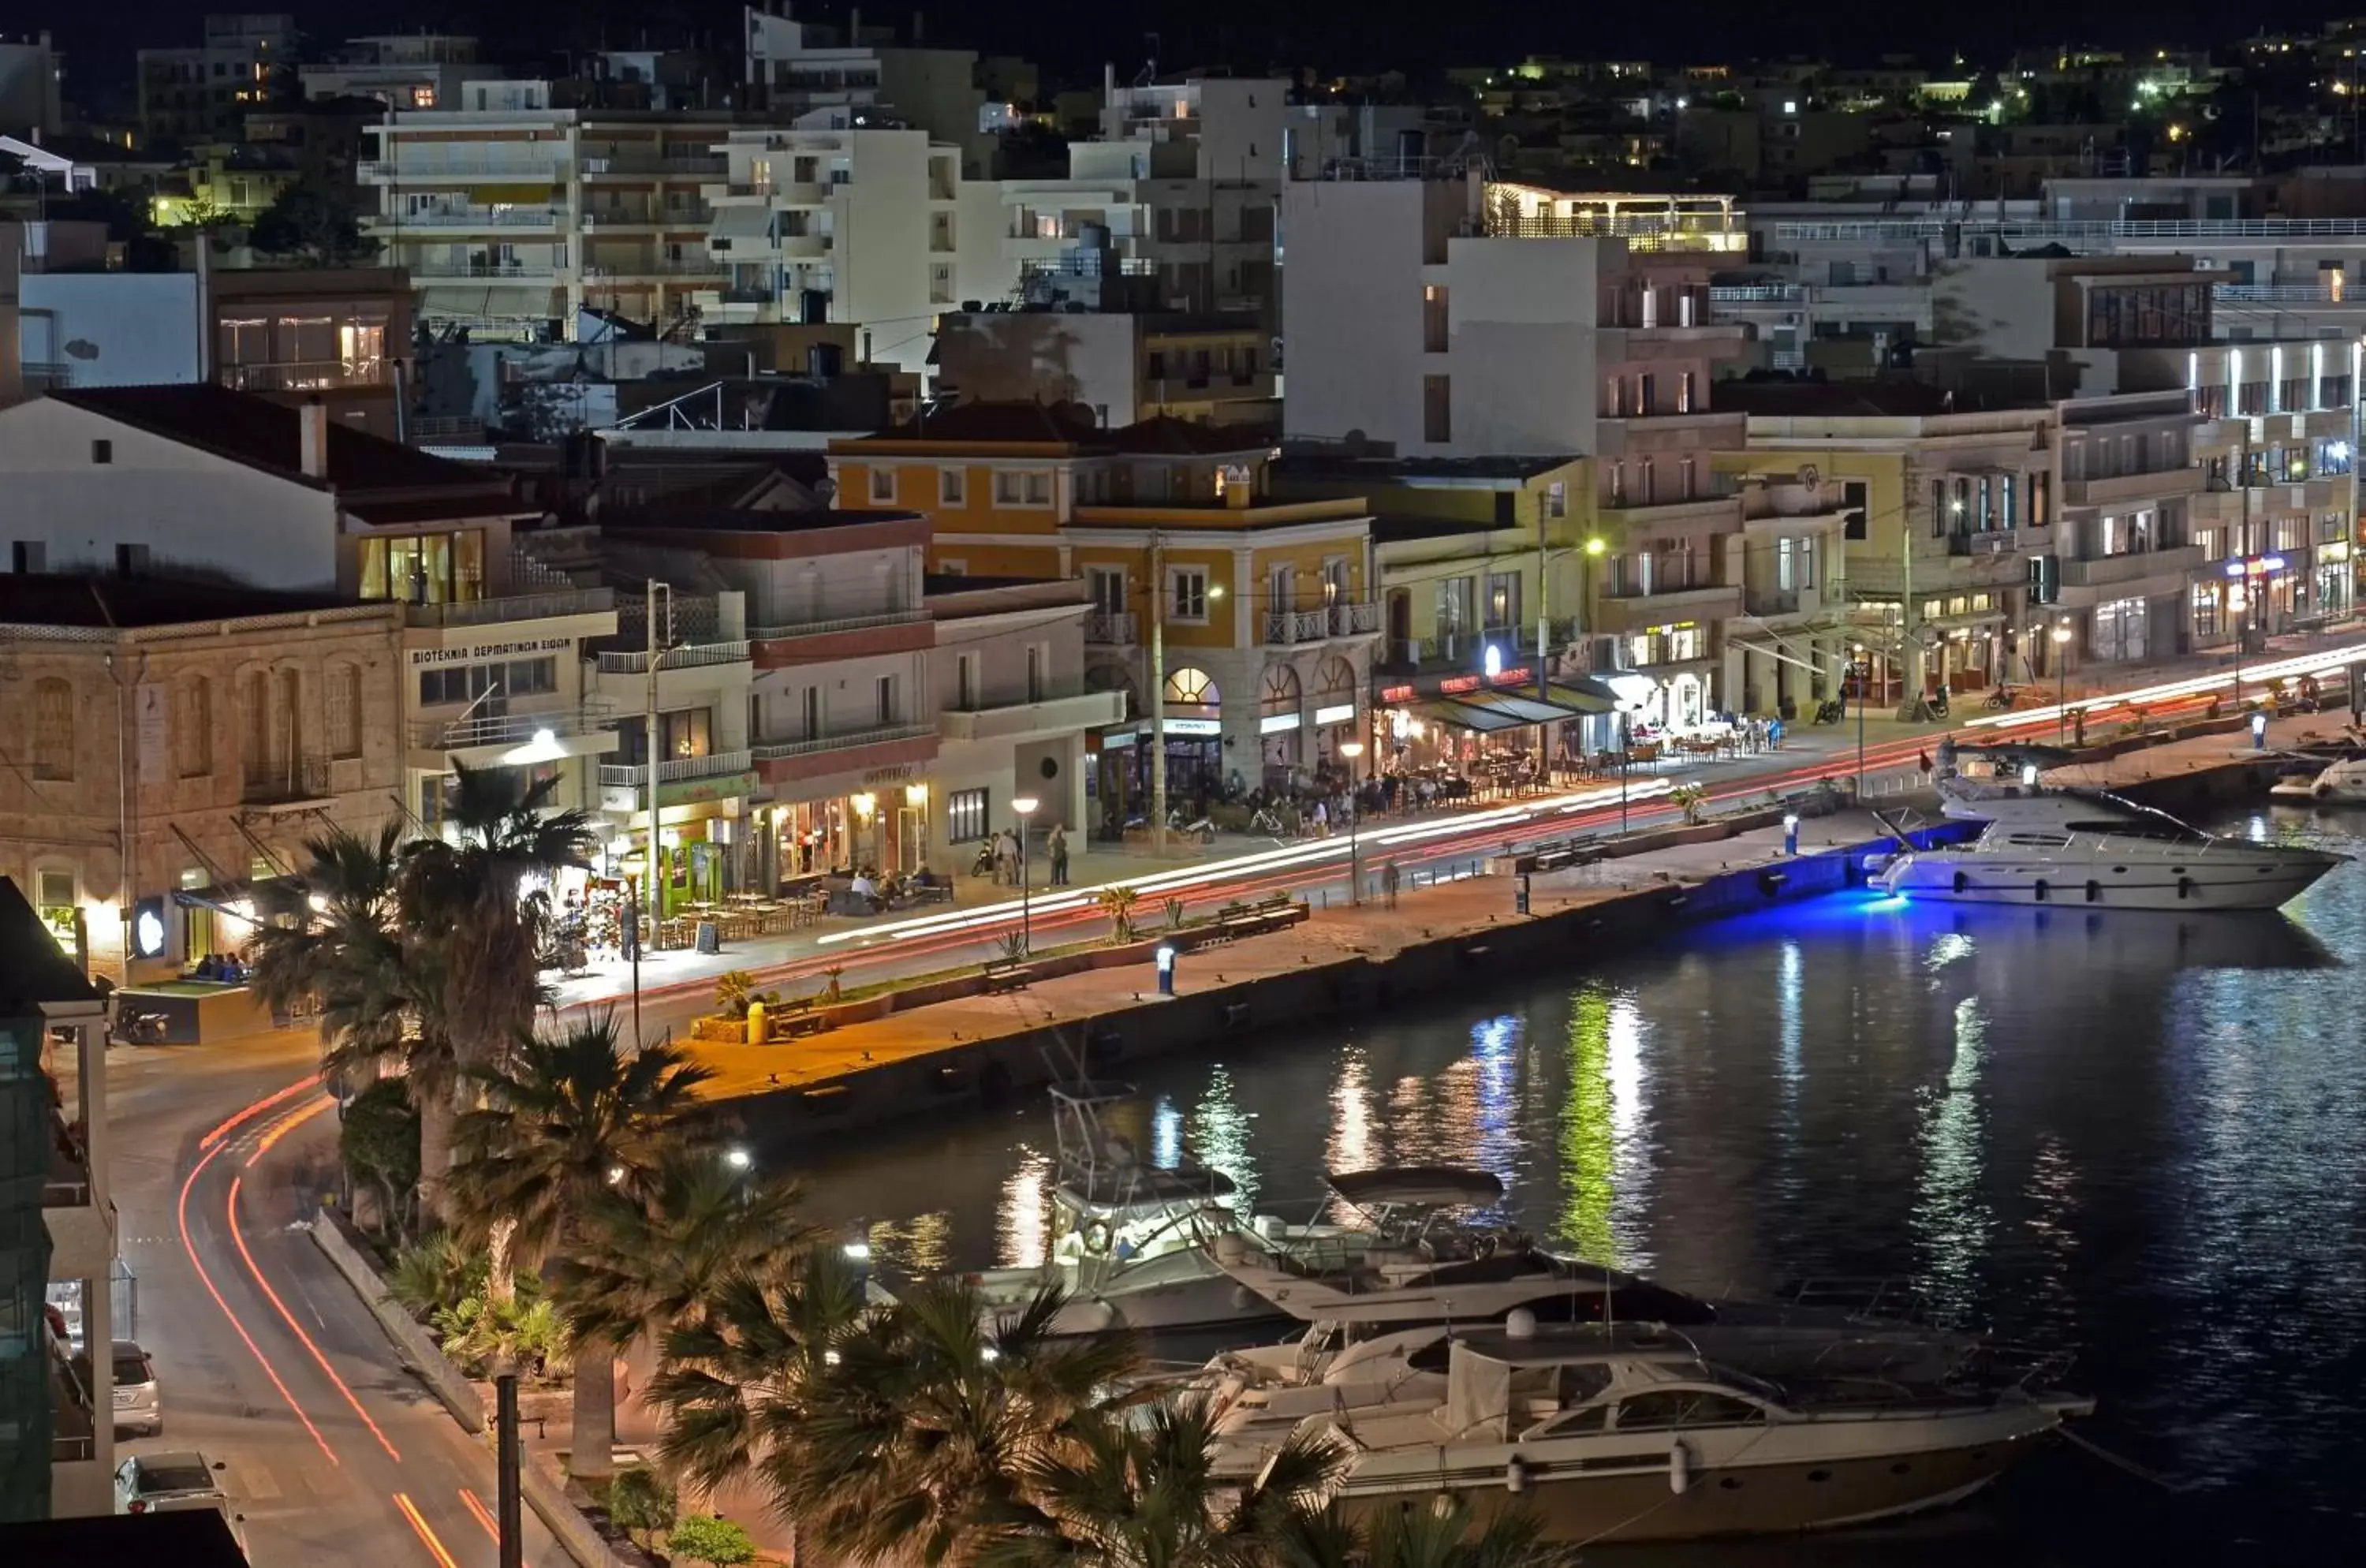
{"points": [[31, 71], [1181, 183], [817, 767], [1124, 365], [202, 94], [841, 224], [511, 216], [402, 71], [1483, 571], [57, 1229], [183, 481], [797, 67], [290, 335], [1248, 623], [1472, 319], [1015, 715]]}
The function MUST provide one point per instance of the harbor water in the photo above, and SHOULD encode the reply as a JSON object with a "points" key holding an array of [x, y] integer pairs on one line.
{"points": [[2139, 1136]]}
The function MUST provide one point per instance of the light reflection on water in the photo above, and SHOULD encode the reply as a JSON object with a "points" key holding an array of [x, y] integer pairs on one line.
{"points": [[2140, 1134]]}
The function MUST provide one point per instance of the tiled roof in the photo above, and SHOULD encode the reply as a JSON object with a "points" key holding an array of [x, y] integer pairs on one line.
{"points": [[1164, 435], [266, 434], [1011, 423], [31, 599]]}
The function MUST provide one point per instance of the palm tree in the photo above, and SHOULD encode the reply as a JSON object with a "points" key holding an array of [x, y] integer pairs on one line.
{"points": [[905, 1431], [740, 1377], [337, 934], [564, 1121], [634, 1266], [472, 890], [1426, 1536], [1145, 1494]]}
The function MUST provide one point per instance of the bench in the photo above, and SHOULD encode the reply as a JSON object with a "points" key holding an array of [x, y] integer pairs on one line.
{"points": [[1006, 975], [935, 893]]}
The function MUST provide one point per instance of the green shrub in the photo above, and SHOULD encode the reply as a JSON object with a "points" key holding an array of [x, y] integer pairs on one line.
{"points": [[641, 1503], [703, 1537]]}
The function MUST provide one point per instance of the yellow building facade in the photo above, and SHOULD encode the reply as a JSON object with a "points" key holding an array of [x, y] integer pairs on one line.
{"points": [[1245, 626]]}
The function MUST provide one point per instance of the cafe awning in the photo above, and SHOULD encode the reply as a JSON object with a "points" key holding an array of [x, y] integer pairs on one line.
{"points": [[1527, 710], [1578, 701], [1465, 715]]}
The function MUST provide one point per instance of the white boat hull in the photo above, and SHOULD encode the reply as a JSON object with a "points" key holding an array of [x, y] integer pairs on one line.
{"points": [[2138, 882]]}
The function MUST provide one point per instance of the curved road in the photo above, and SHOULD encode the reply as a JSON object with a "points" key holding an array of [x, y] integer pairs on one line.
{"points": [[267, 1360]]}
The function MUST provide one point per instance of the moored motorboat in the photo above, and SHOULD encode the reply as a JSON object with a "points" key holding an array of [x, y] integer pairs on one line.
{"points": [[2341, 782], [2090, 849], [1636, 1432]]}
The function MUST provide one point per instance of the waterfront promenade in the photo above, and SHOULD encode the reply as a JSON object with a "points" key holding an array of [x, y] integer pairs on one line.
{"points": [[1440, 906]]}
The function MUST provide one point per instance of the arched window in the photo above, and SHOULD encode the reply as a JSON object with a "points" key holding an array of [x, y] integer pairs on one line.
{"points": [[193, 726], [1335, 681], [1282, 691], [1193, 687], [53, 729], [345, 710]]}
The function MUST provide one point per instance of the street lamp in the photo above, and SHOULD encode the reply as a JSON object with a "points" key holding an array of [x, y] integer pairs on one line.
{"points": [[2061, 635], [1025, 805], [1351, 749], [1861, 672]]}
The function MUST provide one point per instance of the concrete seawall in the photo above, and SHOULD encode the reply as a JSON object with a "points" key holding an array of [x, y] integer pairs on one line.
{"points": [[996, 1067]]}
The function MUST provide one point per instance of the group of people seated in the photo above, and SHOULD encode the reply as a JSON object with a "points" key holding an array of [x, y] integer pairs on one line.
{"points": [[219, 966], [876, 893]]}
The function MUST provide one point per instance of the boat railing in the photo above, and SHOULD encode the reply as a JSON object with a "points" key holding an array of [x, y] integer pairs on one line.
{"points": [[1894, 1298]]}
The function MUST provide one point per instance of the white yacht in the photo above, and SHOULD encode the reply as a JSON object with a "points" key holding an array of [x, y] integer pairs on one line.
{"points": [[1130, 1240], [2091, 850], [2340, 784], [1637, 1433]]}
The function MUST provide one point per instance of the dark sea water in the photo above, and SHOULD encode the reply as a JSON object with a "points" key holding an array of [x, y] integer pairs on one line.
{"points": [[2139, 1136]]}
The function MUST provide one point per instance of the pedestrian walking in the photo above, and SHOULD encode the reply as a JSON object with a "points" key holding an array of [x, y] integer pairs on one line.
{"points": [[1389, 880], [1006, 865], [1321, 820], [1058, 846]]}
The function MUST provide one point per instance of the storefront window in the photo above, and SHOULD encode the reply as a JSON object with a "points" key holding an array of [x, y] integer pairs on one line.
{"points": [[2119, 630], [2207, 613]]}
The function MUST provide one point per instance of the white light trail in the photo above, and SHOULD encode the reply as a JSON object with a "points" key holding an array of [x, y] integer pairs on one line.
{"points": [[1261, 863], [2320, 663]]}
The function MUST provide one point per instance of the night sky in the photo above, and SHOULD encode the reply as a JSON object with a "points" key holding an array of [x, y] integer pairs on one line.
{"points": [[1075, 35]]}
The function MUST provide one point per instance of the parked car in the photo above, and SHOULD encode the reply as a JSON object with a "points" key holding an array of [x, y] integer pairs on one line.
{"points": [[138, 1407], [174, 1482]]}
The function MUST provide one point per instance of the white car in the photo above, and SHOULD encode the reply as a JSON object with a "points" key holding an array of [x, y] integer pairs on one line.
{"points": [[138, 1406], [174, 1482]]}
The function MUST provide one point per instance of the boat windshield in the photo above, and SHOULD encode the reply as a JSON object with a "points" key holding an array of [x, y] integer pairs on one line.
{"points": [[2158, 828]]}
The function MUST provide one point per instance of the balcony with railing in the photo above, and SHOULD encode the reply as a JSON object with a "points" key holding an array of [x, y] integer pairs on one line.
{"points": [[718, 775], [782, 633], [1756, 294], [2112, 571], [305, 375], [1061, 709], [692, 656], [2069, 231], [285, 780], [597, 165], [2242, 294], [850, 740], [482, 728], [614, 268], [2159, 483], [513, 607], [544, 267], [424, 170], [471, 216], [647, 215], [1618, 613], [1112, 628]]}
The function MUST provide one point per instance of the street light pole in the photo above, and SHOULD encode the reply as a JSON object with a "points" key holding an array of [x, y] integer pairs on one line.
{"points": [[1351, 749], [1025, 805], [1857, 673], [2061, 635]]}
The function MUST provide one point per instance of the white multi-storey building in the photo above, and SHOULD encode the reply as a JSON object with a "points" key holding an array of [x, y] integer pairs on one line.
{"points": [[511, 214], [833, 222], [800, 66], [1182, 181]]}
